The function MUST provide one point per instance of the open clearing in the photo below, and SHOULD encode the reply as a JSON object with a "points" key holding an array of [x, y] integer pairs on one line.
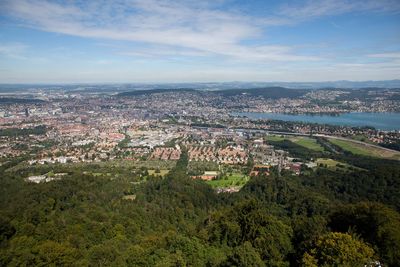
{"points": [[276, 138], [306, 142], [330, 163], [365, 149], [336, 165], [236, 179]]}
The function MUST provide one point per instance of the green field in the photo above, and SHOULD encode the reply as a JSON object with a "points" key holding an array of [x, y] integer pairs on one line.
{"points": [[330, 163], [309, 143], [361, 137], [365, 150], [236, 179], [306, 142], [336, 165], [276, 138]]}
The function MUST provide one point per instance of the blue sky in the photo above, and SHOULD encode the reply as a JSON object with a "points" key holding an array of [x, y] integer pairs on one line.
{"points": [[198, 41]]}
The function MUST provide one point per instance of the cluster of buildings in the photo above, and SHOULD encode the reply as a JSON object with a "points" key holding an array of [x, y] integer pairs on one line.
{"points": [[166, 153], [227, 155], [90, 127]]}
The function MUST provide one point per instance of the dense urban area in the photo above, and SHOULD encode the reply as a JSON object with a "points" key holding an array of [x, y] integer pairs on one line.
{"points": [[177, 177], [79, 126]]}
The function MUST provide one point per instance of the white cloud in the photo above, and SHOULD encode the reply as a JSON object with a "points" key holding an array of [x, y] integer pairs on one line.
{"points": [[13, 50], [181, 30], [392, 55], [318, 8], [191, 26]]}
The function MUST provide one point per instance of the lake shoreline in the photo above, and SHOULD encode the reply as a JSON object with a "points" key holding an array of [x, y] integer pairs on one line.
{"points": [[386, 121]]}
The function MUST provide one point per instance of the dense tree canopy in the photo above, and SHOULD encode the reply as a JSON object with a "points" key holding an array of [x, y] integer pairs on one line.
{"points": [[338, 249], [323, 218]]}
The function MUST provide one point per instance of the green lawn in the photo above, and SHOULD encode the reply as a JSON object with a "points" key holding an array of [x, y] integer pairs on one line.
{"points": [[352, 147], [309, 143], [361, 137], [306, 142], [275, 138], [360, 149], [328, 162], [236, 179], [336, 165]]}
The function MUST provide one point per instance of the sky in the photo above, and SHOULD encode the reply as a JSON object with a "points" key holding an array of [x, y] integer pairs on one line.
{"points": [[74, 41]]}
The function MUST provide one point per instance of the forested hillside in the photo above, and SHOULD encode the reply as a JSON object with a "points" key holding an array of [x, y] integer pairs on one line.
{"points": [[321, 218]]}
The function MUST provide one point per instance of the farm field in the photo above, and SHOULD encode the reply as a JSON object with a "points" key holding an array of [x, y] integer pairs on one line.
{"points": [[306, 142], [275, 138], [365, 150]]}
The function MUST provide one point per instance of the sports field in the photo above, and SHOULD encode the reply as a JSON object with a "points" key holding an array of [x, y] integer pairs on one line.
{"points": [[365, 149], [306, 142]]}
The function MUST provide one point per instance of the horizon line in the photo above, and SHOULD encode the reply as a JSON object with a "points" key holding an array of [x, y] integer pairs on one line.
{"points": [[194, 82]]}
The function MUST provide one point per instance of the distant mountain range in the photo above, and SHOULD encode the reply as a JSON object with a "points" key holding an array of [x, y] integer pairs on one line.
{"points": [[209, 86]]}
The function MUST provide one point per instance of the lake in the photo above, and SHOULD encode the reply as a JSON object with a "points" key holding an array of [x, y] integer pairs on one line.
{"points": [[381, 121]]}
